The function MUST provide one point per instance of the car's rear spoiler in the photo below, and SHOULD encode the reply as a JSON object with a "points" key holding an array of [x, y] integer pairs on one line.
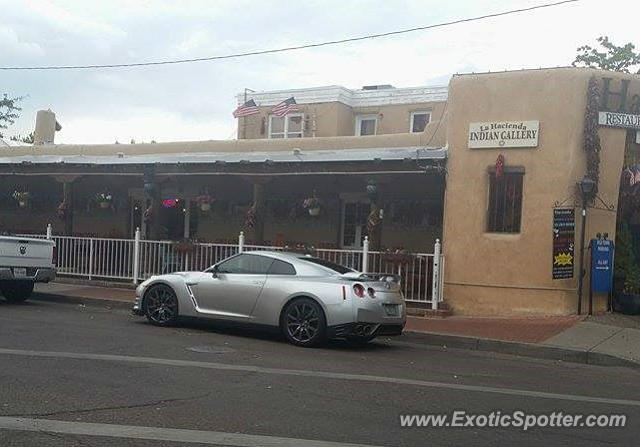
{"points": [[378, 277]]}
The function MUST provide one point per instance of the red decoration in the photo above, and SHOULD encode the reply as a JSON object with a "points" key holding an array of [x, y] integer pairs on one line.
{"points": [[499, 166]]}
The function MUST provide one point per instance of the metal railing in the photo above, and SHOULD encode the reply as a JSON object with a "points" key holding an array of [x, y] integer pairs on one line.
{"points": [[137, 259]]}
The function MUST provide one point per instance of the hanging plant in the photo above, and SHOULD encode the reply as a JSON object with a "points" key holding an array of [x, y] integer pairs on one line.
{"points": [[204, 202], [104, 199], [22, 197], [312, 205], [591, 139]]}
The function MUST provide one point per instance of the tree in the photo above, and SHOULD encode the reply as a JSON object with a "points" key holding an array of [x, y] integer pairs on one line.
{"points": [[26, 139], [9, 111], [612, 57]]}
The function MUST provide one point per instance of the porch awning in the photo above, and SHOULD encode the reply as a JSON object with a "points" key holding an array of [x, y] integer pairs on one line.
{"points": [[289, 156]]}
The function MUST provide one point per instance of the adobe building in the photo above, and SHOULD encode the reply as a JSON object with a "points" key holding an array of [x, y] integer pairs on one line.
{"points": [[489, 164]]}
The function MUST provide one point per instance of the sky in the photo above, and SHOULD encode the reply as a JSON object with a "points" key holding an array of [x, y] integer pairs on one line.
{"points": [[194, 101]]}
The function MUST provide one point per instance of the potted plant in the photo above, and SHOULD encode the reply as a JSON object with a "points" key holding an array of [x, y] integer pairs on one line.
{"points": [[22, 197], [104, 199], [628, 301], [312, 205], [205, 201]]}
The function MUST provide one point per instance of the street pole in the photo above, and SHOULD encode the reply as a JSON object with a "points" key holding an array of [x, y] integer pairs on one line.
{"points": [[582, 236]]}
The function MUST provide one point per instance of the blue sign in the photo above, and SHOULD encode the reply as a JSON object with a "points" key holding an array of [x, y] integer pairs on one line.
{"points": [[601, 265]]}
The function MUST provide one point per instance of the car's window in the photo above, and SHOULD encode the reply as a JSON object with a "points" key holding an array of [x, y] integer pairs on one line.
{"points": [[328, 264], [246, 264], [281, 268]]}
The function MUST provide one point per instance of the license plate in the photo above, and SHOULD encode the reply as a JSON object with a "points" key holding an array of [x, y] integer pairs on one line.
{"points": [[392, 310], [20, 272]]}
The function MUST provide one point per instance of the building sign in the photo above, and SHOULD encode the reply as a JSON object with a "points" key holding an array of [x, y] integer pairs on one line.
{"points": [[614, 119], [503, 134], [601, 265], [564, 223]]}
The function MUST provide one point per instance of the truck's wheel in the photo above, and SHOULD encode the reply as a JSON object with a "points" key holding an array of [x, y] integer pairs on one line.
{"points": [[16, 291]]}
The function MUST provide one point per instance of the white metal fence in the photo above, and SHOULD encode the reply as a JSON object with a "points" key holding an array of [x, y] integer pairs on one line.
{"points": [[137, 259]]}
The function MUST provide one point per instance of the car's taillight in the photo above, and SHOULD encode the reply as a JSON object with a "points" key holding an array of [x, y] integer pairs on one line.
{"points": [[371, 292], [54, 256], [344, 293], [358, 289]]}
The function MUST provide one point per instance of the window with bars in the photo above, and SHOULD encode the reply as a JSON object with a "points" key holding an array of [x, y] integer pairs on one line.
{"points": [[505, 202]]}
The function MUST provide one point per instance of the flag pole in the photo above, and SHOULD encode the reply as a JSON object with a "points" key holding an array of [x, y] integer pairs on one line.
{"points": [[244, 118]]}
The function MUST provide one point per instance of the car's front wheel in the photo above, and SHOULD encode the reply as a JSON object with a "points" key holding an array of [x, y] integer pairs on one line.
{"points": [[303, 323], [16, 291], [161, 305]]}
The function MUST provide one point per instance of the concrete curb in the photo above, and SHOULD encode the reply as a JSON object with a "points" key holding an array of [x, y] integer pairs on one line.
{"points": [[87, 301], [521, 349], [94, 282], [424, 338]]}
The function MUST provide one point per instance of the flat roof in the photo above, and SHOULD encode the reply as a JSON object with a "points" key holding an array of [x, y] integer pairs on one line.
{"points": [[350, 97], [290, 156]]}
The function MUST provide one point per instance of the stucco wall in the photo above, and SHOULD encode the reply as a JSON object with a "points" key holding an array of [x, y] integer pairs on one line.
{"points": [[504, 274], [336, 119]]}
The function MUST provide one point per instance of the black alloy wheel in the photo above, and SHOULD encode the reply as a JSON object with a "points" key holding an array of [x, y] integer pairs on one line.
{"points": [[304, 323], [161, 305]]}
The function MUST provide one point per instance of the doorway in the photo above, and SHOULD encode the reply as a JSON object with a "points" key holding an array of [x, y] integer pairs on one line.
{"points": [[354, 222], [626, 280]]}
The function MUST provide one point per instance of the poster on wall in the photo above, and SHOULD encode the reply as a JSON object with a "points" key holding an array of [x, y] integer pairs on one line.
{"points": [[564, 225]]}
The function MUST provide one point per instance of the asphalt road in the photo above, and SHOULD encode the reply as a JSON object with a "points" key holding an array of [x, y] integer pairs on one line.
{"points": [[88, 376]]}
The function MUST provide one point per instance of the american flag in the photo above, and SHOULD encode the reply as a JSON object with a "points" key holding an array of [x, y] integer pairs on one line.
{"points": [[286, 106], [248, 108]]}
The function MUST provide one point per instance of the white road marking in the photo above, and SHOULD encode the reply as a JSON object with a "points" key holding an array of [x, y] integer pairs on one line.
{"points": [[320, 374], [161, 434]]}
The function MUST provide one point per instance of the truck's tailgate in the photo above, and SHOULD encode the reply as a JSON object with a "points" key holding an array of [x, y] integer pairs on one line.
{"points": [[25, 252]]}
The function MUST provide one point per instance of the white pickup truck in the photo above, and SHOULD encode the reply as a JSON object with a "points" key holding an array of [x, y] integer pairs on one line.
{"points": [[23, 262]]}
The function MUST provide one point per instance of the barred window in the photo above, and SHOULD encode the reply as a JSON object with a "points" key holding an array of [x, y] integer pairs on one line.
{"points": [[505, 202]]}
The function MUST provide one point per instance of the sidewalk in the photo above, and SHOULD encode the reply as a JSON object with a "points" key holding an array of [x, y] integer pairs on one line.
{"points": [[612, 340]]}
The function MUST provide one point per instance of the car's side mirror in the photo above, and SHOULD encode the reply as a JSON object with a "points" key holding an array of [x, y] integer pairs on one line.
{"points": [[214, 271]]}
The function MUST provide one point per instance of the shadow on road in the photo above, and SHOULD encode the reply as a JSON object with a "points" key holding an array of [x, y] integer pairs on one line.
{"points": [[252, 331]]}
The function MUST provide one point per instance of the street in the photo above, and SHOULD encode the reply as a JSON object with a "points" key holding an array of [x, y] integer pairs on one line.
{"points": [[207, 383]]}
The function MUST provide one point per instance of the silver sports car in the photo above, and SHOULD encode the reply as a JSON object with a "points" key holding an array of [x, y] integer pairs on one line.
{"points": [[308, 299]]}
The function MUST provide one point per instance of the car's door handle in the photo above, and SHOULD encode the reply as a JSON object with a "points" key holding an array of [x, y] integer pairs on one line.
{"points": [[258, 282]]}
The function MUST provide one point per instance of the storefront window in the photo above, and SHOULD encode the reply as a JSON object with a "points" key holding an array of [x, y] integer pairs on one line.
{"points": [[505, 202]]}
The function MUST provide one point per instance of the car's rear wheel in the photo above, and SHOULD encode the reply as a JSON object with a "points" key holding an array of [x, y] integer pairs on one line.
{"points": [[303, 323], [16, 291], [161, 305]]}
